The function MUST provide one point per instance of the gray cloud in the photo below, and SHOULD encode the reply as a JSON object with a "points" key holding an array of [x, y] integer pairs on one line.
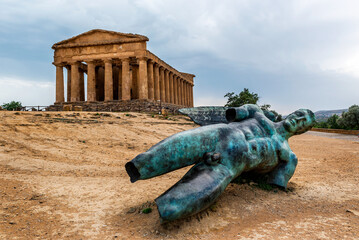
{"points": [[293, 53]]}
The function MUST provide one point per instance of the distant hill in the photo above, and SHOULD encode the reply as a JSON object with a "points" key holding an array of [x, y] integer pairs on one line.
{"points": [[323, 115]]}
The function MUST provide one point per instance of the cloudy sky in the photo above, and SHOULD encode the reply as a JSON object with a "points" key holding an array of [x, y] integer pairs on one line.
{"points": [[294, 54]]}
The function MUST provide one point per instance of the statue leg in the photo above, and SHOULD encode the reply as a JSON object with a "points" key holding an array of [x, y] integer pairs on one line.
{"points": [[180, 150], [284, 171], [204, 182], [197, 190]]}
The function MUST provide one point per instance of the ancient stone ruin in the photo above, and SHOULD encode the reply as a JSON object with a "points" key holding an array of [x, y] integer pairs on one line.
{"points": [[120, 74]]}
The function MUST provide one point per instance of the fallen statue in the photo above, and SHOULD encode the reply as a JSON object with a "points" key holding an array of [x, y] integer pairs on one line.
{"points": [[249, 142]]}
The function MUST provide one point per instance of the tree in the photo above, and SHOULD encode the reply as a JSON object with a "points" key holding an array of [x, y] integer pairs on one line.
{"points": [[244, 97], [332, 122], [350, 119], [266, 107], [12, 106]]}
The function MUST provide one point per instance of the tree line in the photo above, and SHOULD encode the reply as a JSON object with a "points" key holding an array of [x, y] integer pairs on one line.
{"points": [[348, 120]]}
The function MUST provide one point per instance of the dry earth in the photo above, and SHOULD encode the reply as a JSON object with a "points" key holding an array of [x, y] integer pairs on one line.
{"points": [[62, 176]]}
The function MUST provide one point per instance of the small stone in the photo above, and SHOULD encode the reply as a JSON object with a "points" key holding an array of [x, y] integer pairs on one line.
{"points": [[131, 210], [356, 213]]}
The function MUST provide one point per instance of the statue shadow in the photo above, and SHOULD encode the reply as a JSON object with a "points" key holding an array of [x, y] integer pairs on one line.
{"points": [[239, 201]]}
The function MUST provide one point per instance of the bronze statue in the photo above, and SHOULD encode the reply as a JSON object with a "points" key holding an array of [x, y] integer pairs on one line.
{"points": [[249, 142]]}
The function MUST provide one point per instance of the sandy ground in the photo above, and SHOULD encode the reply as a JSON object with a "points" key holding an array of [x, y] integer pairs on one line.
{"points": [[62, 176]]}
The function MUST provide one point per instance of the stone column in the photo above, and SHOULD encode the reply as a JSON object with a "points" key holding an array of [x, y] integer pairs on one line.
{"points": [[157, 82], [91, 82], [186, 90], [179, 91], [185, 93], [167, 86], [119, 87], [126, 81], [60, 97], [171, 87], [82, 85], [175, 89], [108, 80], [162, 85], [180, 98], [151, 83], [68, 68], [192, 102], [75, 79], [189, 95], [143, 79]]}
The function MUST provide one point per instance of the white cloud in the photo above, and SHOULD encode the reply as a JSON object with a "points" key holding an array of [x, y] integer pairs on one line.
{"points": [[29, 93], [209, 101]]}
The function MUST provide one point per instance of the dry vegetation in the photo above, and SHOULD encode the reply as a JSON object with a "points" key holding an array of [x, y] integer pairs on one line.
{"points": [[62, 176]]}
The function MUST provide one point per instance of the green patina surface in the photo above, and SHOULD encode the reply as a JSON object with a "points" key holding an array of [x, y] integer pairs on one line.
{"points": [[249, 142]]}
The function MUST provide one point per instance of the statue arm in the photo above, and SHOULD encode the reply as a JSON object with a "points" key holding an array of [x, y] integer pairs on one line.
{"points": [[284, 171], [241, 113]]}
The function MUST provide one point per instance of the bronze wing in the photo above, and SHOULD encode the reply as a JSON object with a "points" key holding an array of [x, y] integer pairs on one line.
{"points": [[206, 115], [212, 114]]}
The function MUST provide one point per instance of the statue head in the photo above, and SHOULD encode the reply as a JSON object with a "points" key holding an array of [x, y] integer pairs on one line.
{"points": [[299, 122]]}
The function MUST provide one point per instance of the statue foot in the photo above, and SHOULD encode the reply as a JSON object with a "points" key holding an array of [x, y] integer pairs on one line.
{"points": [[197, 190], [132, 171]]}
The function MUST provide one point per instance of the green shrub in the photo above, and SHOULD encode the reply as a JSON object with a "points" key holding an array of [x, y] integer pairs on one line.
{"points": [[12, 106], [350, 119], [147, 210]]}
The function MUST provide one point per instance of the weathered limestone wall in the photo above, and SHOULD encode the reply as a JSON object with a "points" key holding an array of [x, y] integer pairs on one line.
{"points": [[136, 105], [341, 131]]}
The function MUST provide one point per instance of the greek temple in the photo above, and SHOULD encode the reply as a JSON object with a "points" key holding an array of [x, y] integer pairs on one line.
{"points": [[108, 66]]}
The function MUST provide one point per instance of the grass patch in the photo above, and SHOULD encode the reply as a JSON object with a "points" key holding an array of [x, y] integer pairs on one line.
{"points": [[147, 210]]}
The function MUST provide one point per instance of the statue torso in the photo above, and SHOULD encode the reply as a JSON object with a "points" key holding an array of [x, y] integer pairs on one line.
{"points": [[262, 142]]}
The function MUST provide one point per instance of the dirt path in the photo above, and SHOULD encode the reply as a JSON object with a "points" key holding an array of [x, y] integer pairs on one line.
{"points": [[62, 176]]}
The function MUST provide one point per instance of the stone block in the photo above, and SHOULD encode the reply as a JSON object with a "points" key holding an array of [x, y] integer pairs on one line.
{"points": [[67, 108], [78, 108]]}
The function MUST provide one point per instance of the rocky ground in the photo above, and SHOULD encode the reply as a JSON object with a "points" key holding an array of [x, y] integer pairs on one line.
{"points": [[62, 176]]}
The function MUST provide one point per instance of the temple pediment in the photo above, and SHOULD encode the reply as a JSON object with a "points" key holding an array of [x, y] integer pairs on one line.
{"points": [[99, 37]]}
